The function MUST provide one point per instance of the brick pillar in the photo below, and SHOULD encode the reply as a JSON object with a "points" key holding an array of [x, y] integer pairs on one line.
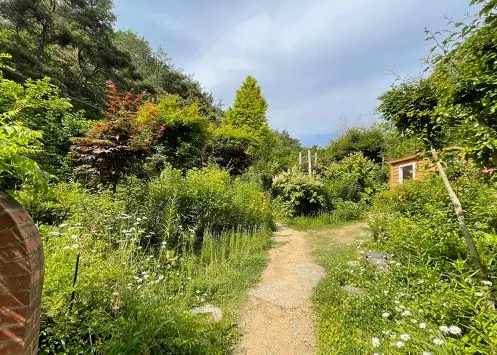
{"points": [[21, 279]]}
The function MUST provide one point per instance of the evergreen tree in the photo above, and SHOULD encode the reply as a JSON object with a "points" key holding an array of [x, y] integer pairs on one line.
{"points": [[249, 109]]}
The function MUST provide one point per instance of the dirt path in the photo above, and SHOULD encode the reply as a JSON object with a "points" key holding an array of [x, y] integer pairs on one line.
{"points": [[278, 317]]}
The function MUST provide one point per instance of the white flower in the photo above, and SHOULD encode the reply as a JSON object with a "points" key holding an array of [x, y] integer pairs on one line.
{"points": [[396, 301], [426, 353], [414, 321], [479, 294], [487, 283], [454, 330], [399, 344], [422, 325], [405, 337], [385, 315], [398, 264], [75, 246], [406, 313], [438, 341], [375, 342], [444, 328], [115, 294]]}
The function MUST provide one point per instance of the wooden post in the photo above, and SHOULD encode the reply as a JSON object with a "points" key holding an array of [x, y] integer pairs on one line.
{"points": [[316, 158], [309, 162], [300, 161]]}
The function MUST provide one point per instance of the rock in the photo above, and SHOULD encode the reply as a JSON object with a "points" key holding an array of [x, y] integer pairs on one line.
{"points": [[379, 260], [216, 313], [353, 291]]}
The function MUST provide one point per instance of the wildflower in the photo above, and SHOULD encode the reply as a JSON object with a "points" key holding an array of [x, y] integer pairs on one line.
{"points": [[406, 313], [75, 246], [396, 301], [376, 342], [405, 337], [385, 315], [479, 294], [426, 353], [385, 292], [399, 344], [414, 321], [438, 341], [422, 325], [115, 294], [444, 329], [454, 330], [398, 264], [487, 283]]}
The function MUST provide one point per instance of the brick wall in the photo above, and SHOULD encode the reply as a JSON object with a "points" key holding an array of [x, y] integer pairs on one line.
{"points": [[21, 279]]}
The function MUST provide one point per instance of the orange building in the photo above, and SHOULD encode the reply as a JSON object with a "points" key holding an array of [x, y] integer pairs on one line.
{"points": [[407, 168]]}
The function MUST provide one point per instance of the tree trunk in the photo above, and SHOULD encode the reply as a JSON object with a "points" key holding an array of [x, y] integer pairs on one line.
{"points": [[475, 256]]}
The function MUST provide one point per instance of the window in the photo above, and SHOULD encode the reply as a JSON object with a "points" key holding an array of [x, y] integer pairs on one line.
{"points": [[407, 172]]}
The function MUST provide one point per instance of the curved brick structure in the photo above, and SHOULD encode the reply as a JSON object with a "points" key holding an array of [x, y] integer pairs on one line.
{"points": [[21, 279]]}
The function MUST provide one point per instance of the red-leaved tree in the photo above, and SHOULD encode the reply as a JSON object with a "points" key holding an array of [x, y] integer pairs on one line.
{"points": [[123, 137]]}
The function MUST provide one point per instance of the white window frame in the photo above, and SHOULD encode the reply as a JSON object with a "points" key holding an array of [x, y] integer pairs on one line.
{"points": [[401, 174]]}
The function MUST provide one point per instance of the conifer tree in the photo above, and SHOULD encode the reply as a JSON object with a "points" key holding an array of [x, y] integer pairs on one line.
{"points": [[249, 109]]}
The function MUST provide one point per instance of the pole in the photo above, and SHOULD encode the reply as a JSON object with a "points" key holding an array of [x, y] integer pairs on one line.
{"points": [[73, 293], [316, 158], [300, 161], [309, 162]]}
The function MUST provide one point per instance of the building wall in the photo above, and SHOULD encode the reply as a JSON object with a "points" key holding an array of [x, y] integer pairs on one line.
{"points": [[21, 279], [423, 168]]}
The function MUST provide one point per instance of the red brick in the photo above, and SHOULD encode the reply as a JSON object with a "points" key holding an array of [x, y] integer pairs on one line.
{"points": [[13, 316], [11, 347], [15, 300], [15, 333], [17, 268], [16, 282]]}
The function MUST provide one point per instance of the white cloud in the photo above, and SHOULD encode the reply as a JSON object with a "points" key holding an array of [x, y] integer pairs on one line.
{"points": [[317, 61]]}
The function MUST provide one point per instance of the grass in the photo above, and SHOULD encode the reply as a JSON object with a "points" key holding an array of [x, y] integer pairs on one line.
{"points": [[150, 314], [345, 324]]}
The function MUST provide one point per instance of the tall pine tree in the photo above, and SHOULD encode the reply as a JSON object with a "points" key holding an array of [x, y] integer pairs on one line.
{"points": [[249, 109]]}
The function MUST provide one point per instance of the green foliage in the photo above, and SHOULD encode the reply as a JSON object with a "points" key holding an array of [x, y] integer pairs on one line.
{"points": [[465, 79], [249, 109], [229, 149], [355, 178], [371, 142], [206, 199], [133, 299], [299, 194], [158, 76], [19, 143], [410, 106], [186, 132]]}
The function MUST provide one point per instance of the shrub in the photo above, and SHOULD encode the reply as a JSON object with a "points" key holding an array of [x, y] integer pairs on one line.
{"points": [[355, 178], [299, 194]]}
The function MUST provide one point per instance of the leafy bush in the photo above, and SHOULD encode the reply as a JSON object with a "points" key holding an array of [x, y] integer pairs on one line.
{"points": [[355, 178], [299, 194]]}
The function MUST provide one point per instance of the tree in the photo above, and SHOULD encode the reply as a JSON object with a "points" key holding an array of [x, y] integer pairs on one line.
{"points": [[122, 138], [69, 41], [157, 75], [412, 107], [249, 109], [18, 142], [465, 77]]}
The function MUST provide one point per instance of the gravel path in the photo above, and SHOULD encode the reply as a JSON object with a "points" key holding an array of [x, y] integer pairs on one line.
{"points": [[278, 317]]}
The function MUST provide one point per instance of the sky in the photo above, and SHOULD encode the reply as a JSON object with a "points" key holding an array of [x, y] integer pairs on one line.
{"points": [[321, 64]]}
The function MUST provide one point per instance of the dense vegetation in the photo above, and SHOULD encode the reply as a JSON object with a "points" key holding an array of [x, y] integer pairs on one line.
{"points": [[168, 202], [438, 295]]}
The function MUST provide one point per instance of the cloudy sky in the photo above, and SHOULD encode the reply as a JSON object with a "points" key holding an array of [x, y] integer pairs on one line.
{"points": [[321, 63]]}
